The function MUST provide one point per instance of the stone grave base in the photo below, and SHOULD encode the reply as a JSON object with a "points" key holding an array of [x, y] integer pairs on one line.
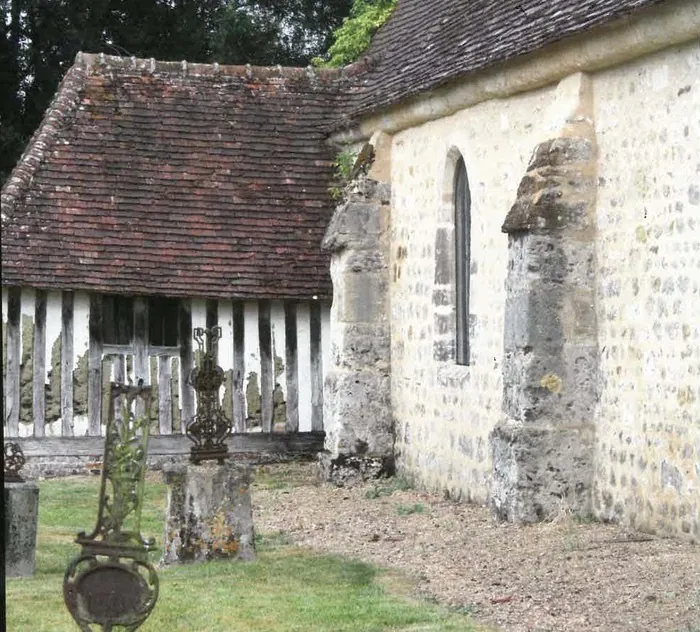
{"points": [[209, 513], [21, 517]]}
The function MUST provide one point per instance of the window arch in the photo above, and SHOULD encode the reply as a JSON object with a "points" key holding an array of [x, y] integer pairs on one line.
{"points": [[462, 227]]}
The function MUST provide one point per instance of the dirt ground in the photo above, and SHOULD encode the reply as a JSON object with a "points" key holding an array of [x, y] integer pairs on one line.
{"points": [[560, 576]]}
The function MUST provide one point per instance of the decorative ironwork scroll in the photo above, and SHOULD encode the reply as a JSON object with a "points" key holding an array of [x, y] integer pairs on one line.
{"points": [[13, 462], [111, 583], [210, 426]]}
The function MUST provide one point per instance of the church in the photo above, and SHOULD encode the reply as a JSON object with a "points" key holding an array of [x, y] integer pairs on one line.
{"points": [[502, 302]]}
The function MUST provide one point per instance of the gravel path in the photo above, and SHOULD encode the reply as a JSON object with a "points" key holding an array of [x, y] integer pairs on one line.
{"points": [[560, 576]]}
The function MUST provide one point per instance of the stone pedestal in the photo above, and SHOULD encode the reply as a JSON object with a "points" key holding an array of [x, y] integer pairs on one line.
{"points": [[21, 517], [209, 513]]}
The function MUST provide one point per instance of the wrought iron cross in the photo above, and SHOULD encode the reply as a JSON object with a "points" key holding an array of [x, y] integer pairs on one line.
{"points": [[210, 426]]}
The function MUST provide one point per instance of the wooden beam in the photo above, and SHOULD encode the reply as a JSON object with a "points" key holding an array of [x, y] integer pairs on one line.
{"points": [[211, 320], [67, 364], [141, 368], [266, 368], [12, 394], [95, 366], [291, 364], [289, 444], [186, 361], [165, 404], [239, 416], [39, 364], [316, 368]]}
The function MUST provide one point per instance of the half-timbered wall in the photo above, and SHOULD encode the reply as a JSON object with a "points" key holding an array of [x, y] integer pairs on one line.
{"points": [[59, 354]]}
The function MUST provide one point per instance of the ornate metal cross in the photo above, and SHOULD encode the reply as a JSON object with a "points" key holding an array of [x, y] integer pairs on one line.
{"points": [[210, 426], [13, 462], [111, 583]]}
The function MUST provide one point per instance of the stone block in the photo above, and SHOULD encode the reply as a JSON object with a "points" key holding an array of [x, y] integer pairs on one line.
{"points": [[539, 471], [359, 403], [209, 513], [21, 519]]}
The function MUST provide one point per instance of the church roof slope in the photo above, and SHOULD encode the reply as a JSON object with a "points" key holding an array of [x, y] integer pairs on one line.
{"points": [[427, 44], [175, 179]]}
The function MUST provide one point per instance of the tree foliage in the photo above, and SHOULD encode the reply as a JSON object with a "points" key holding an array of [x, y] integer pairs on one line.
{"points": [[353, 37], [40, 38]]}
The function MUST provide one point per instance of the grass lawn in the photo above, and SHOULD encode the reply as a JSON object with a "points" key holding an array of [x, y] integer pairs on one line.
{"points": [[285, 589]]}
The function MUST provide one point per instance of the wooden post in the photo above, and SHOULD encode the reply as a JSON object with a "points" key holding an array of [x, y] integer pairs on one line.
{"points": [[187, 401], [316, 368], [67, 364], [165, 404], [266, 368], [239, 416], [39, 364], [212, 320], [12, 395], [291, 362], [141, 368], [95, 366]]}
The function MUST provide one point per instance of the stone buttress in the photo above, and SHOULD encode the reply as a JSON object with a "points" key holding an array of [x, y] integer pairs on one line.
{"points": [[543, 448], [357, 389]]}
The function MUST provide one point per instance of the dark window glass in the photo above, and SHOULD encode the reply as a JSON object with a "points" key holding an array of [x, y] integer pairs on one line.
{"points": [[163, 322], [117, 320], [462, 261]]}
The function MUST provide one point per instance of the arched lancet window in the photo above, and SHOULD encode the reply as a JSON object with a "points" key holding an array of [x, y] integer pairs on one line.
{"points": [[462, 200]]}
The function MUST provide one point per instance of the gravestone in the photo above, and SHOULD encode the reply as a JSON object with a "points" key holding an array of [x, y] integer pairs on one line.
{"points": [[21, 516], [209, 513]]}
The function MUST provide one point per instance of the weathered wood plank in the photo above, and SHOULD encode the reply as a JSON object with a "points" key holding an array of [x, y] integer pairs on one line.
{"points": [[141, 364], [95, 366], [298, 443], [316, 368], [186, 360], [12, 394], [212, 320], [165, 404], [67, 364], [239, 416], [266, 368], [291, 364], [39, 365]]}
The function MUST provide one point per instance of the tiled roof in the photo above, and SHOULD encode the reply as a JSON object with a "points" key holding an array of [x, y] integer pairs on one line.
{"points": [[426, 44], [174, 179]]}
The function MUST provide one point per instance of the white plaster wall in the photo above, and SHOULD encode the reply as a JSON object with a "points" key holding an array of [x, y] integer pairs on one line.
{"points": [[81, 313], [444, 414], [648, 420]]}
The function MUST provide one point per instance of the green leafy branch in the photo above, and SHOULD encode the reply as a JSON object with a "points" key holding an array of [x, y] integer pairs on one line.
{"points": [[342, 171], [353, 36]]}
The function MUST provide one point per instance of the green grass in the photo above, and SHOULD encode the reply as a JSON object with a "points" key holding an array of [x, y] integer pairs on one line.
{"points": [[285, 590], [407, 510]]}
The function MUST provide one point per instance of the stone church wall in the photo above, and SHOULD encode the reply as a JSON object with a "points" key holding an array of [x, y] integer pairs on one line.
{"points": [[443, 412], [647, 420], [648, 251]]}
